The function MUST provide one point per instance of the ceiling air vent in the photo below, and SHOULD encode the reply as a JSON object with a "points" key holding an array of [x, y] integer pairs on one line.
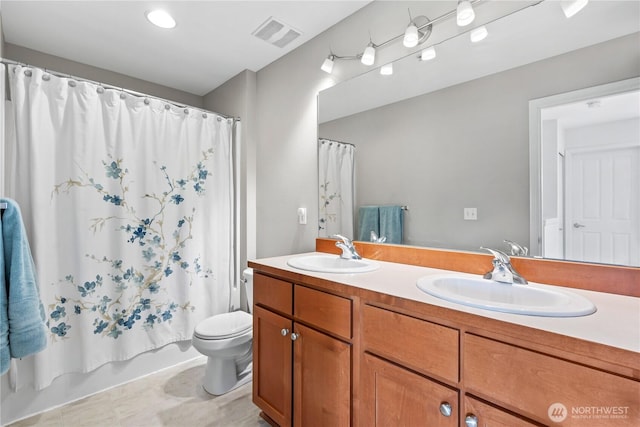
{"points": [[276, 32]]}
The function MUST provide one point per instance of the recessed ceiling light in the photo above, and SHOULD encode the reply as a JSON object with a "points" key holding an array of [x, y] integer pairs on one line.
{"points": [[161, 18]]}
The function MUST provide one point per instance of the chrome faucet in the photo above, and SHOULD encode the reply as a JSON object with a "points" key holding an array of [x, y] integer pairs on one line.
{"points": [[516, 249], [375, 239], [348, 249], [503, 271]]}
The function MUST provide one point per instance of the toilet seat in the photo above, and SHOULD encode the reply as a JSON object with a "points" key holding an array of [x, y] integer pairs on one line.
{"points": [[225, 325]]}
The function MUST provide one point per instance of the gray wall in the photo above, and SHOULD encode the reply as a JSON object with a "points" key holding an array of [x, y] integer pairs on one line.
{"points": [[286, 173], [55, 63], [468, 146]]}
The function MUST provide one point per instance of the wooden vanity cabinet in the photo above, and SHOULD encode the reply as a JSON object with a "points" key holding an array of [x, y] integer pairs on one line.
{"points": [[418, 365], [533, 384], [395, 396], [403, 360], [477, 413], [301, 354]]}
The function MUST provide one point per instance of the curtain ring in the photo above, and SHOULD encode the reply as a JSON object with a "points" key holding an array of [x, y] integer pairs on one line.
{"points": [[204, 115], [123, 95], [167, 106], [146, 101], [46, 77], [100, 90], [28, 73], [186, 111], [72, 83]]}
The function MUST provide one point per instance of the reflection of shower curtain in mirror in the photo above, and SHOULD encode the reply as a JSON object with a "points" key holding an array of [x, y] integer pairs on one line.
{"points": [[336, 161], [128, 203]]}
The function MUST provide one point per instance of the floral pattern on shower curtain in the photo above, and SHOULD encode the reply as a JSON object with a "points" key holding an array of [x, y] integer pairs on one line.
{"points": [[128, 203], [336, 163]]}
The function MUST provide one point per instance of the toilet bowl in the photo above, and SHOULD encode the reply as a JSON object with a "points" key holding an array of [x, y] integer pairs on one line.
{"points": [[226, 340]]}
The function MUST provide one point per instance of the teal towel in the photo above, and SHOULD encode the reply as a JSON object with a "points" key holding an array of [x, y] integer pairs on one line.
{"points": [[368, 221], [22, 318], [391, 223]]}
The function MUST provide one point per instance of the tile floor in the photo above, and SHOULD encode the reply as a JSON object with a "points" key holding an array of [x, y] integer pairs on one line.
{"points": [[172, 397]]}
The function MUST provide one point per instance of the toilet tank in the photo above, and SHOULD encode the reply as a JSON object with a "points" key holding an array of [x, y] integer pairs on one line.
{"points": [[247, 274]]}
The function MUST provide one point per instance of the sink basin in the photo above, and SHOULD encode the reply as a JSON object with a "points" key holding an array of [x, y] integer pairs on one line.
{"points": [[332, 264], [519, 299]]}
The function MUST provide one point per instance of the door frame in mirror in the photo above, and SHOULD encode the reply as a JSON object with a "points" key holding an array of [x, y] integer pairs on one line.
{"points": [[535, 145]]}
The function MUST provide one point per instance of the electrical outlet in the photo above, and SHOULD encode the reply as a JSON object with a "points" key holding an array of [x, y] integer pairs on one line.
{"points": [[471, 214]]}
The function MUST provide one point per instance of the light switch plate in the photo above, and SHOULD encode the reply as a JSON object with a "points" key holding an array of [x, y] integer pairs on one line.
{"points": [[302, 216]]}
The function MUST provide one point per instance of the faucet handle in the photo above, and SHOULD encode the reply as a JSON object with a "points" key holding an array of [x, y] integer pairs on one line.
{"points": [[344, 239], [517, 249], [499, 256]]}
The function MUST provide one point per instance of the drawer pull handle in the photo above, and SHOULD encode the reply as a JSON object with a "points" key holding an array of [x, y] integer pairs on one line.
{"points": [[294, 336], [471, 420], [284, 332], [445, 409]]}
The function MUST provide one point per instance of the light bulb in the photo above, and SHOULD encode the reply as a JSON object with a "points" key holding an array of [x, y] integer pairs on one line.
{"points": [[386, 69], [571, 7], [327, 65], [465, 14], [161, 18], [411, 36], [428, 53], [478, 34], [369, 55]]}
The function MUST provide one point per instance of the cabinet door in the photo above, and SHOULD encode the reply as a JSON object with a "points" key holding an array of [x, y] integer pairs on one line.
{"points": [[547, 389], [488, 416], [393, 396], [272, 365], [321, 380]]}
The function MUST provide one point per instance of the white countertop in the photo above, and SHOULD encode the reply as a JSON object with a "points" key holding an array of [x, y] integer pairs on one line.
{"points": [[616, 322]]}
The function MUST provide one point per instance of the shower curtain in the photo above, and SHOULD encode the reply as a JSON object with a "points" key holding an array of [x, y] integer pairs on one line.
{"points": [[128, 203], [336, 163]]}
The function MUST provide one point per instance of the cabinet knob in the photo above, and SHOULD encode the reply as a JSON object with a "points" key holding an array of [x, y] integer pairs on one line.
{"points": [[294, 336], [471, 420], [284, 332], [445, 409]]}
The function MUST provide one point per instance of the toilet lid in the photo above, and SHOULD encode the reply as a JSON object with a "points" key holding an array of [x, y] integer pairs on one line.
{"points": [[224, 325]]}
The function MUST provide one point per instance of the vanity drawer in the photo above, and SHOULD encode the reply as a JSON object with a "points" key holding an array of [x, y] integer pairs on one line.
{"points": [[273, 293], [417, 344], [325, 311], [529, 383]]}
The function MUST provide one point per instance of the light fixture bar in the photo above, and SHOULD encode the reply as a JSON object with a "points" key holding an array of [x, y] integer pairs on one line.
{"points": [[430, 23]]}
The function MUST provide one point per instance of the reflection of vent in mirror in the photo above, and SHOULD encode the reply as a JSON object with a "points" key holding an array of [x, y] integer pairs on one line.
{"points": [[276, 32]]}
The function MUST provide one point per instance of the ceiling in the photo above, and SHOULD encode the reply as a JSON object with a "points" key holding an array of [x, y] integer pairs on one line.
{"points": [[211, 43]]}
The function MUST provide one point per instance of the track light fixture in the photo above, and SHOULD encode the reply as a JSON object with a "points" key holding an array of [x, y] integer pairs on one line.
{"points": [[327, 65], [369, 54], [417, 32], [410, 36], [478, 34], [571, 7], [420, 29], [464, 13], [428, 54]]}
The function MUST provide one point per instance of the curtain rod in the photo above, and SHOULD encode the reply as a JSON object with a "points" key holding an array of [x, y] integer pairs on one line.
{"points": [[121, 89], [338, 142]]}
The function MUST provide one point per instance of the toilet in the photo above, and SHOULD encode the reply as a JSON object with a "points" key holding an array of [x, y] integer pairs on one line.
{"points": [[226, 340]]}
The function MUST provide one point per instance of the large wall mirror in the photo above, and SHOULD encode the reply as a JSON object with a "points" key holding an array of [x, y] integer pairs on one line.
{"points": [[452, 133]]}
